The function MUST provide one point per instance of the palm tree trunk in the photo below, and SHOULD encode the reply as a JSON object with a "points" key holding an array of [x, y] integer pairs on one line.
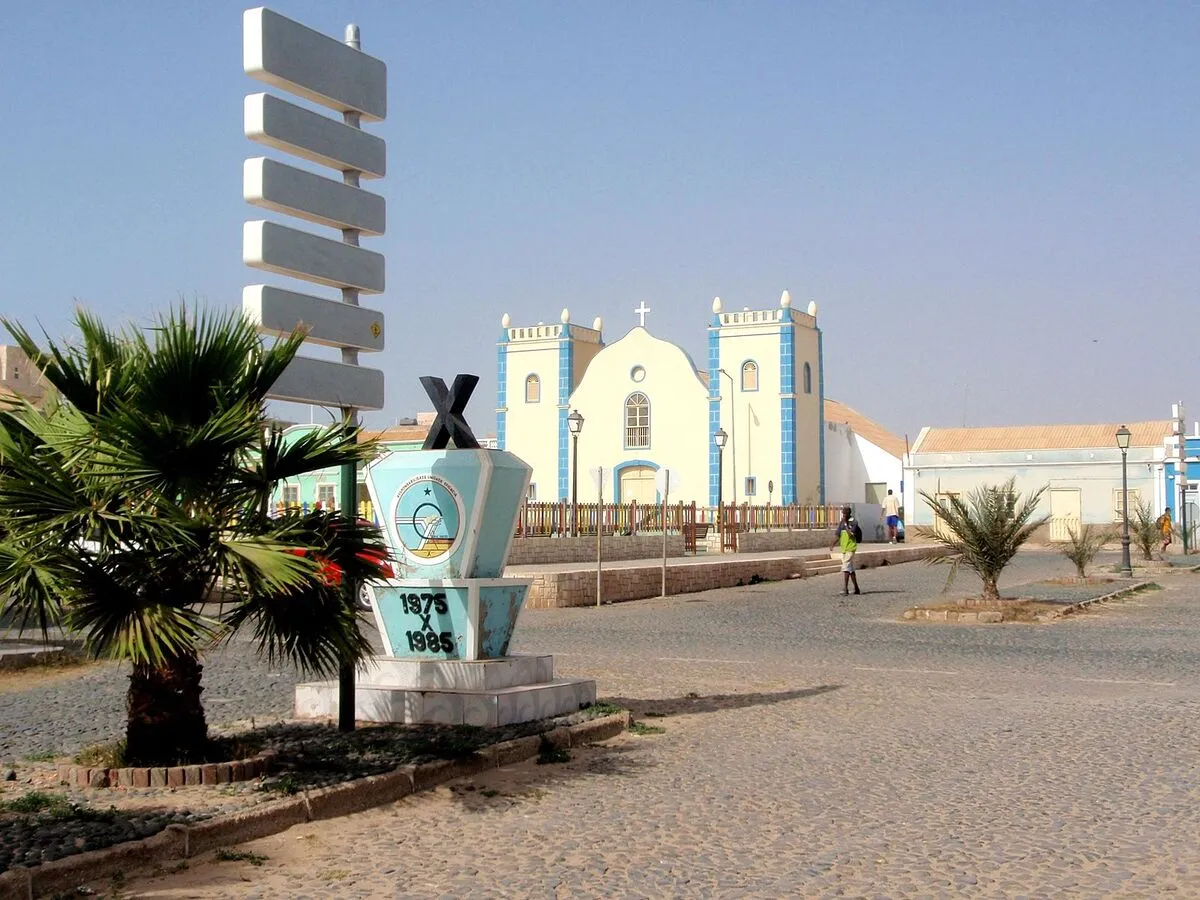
{"points": [[165, 719], [991, 593]]}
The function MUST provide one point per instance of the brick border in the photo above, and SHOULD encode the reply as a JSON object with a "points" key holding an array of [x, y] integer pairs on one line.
{"points": [[168, 776], [12, 662], [991, 617], [180, 842], [1115, 595]]}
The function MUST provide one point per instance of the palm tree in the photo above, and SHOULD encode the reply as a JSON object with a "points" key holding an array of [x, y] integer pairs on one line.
{"points": [[1083, 545], [985, 532], [1144, 530], [137, 494]]}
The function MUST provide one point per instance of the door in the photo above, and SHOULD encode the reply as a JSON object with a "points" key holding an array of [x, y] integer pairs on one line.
{"points": [[939, 524], [1065, 514], [637, 483]]}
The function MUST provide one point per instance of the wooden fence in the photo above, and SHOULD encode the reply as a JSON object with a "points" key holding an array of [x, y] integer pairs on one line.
{"points": [[556, 519]]}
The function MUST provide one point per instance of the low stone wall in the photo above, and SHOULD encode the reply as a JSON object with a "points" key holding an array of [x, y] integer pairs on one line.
{"points": [[560, 589], [531, 551], [764, 541]]}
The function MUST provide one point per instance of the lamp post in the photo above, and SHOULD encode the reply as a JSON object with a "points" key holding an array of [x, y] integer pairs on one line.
{"points": [[1123, 444], [575, 424], [719, 438]]}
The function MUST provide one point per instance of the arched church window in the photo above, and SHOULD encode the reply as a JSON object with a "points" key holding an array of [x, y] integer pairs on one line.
{"points": [[807, 378], [750, 375], [637, 421], [533, 389]]}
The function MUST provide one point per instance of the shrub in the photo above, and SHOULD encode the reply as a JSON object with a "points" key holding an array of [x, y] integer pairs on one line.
{"points": [[1083, 545]]}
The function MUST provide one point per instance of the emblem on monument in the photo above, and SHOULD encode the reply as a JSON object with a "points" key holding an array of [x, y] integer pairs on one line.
{"points": [[428, 516]]}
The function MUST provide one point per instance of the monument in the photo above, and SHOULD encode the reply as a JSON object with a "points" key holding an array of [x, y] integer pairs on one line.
{"points": [[446, 620]]}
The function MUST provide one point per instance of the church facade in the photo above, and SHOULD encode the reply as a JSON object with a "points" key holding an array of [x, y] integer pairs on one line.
{"points": [[647, 406]]}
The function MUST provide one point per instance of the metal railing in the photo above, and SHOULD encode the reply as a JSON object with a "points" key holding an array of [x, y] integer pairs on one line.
{"points": [[555, 519]]}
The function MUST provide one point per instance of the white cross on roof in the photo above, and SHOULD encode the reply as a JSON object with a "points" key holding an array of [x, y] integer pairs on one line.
{"points": [[641, 313]]}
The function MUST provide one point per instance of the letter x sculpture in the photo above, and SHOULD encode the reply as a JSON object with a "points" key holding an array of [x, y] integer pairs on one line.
{"points": [[449, 405]]}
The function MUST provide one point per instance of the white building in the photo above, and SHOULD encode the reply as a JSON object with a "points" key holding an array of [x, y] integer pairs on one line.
{"points": [[1079, 465], [646, 405], [863, 460]]}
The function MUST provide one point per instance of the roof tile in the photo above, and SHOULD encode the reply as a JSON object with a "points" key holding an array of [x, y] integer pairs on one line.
{"points": [[1041, 437]]}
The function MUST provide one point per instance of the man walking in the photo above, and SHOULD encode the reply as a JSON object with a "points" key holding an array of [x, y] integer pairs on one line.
{"points": [[847, 536], [1165, 529], [891, 509]]}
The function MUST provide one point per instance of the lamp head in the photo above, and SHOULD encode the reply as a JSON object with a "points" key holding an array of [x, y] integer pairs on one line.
{"points": [[1123, 435], [575, 422], [720, 438]]}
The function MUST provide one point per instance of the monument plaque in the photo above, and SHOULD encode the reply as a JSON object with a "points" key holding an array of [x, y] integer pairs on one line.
{"points": [[446, 621]]}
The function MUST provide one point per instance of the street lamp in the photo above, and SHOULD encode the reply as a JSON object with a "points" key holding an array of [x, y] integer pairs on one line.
{"points": [[719, 438], [1123, 444], [575, 424]]}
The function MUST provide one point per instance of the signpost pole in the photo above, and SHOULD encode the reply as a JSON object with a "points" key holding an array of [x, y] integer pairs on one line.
{"points": [[599, 529], [666, 491], [349, 472], [340, 77]]}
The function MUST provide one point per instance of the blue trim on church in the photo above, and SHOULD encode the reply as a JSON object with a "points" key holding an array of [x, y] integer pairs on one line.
{"points": [[502, 389], [821, 413], [566, 369], [714, 408], [787, 409]]}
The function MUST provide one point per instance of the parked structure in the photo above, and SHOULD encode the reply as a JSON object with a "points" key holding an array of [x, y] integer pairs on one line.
{"points": [[1079, 464]]}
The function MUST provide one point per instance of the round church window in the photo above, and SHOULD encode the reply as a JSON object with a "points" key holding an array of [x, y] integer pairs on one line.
{"points": [[637, 373]]}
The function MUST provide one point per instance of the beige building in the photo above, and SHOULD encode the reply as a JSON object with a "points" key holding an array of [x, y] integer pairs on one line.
{"points": [[18, 377]]}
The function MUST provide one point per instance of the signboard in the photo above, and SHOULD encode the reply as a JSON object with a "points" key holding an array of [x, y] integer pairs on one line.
{"points": [[597, 475], [666, 482], [304, 62], [329, 322], [338, 76]]}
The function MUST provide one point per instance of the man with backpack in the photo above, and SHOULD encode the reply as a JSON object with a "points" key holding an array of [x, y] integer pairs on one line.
{"points": [[847, 537]]}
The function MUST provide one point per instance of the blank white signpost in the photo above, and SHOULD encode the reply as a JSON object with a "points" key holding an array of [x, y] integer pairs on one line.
{"points": [[340, 77]]}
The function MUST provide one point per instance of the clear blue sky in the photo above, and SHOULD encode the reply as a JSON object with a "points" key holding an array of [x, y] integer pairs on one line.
{"points": [[994, 204]]}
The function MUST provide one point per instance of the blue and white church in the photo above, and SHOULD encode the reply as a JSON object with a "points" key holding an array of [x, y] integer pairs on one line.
{"points": [[646, 405]]}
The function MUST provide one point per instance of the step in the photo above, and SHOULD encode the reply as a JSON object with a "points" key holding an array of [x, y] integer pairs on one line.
{"points": [[456, 675], [484, 708]]}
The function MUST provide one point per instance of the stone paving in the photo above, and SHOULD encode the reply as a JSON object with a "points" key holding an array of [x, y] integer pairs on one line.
{"points": [[814, 746]]}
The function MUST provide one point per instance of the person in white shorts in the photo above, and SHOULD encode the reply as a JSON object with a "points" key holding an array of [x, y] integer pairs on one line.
{"points": [[847, 536]]}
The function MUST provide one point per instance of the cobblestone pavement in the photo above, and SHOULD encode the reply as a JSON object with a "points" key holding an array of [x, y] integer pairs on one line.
{"points": [[813, 747]]}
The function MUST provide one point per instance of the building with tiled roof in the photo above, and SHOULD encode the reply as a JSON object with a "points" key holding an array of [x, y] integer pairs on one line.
{"points": [[1080, 467], [863, 460]]}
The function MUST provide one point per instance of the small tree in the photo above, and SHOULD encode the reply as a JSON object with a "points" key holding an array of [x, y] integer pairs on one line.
{"points": [[1144, 532], [127, 503], [985, 532], [1083, 545]]}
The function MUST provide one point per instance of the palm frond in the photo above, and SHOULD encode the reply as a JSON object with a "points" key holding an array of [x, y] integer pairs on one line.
{"points": [[985, 531]]}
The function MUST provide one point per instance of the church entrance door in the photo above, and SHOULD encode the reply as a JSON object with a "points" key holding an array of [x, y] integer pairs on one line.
{"points": [[637, 483]]}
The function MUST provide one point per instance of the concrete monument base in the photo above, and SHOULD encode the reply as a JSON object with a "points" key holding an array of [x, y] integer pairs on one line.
{"points": [[487, 693]]}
